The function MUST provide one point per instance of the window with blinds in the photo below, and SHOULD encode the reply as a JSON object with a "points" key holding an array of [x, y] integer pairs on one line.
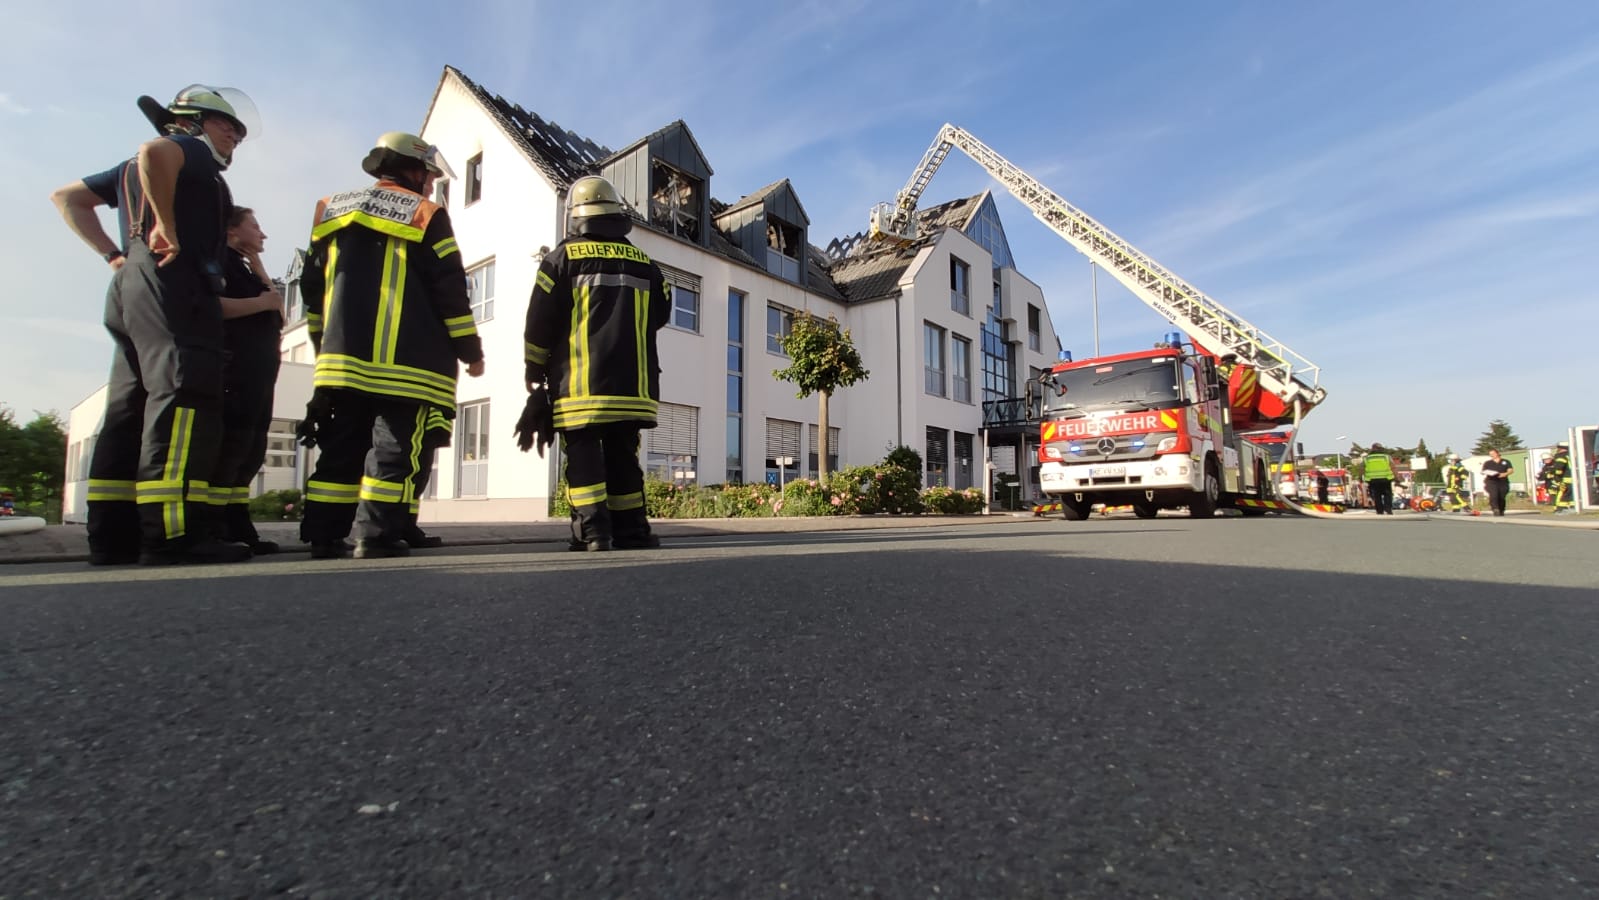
{"points": [[782, 439], [672, 447]]}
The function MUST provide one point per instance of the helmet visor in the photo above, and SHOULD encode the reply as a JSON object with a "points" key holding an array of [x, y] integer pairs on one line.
{"points": [[232, 103], [437, 164]]}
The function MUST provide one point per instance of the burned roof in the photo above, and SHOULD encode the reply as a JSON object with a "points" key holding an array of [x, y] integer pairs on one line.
{"points": [[864, 271], [563, 156]]}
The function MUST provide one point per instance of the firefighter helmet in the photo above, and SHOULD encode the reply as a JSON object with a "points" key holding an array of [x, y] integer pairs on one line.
{"points": [[1454, 457], [592, 196], [401, 145], [198, 101]]}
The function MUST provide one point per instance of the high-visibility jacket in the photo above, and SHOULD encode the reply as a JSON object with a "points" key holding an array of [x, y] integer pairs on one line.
{"points": [[386, 296], [591, 322], [1455, 477], [1379, 465]]}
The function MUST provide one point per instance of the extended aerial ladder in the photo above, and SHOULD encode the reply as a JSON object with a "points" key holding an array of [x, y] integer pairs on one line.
{"points": [[1291, 382]]}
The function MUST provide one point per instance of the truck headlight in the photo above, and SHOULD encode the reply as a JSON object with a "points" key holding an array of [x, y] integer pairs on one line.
{"points": [[1166, 443]]}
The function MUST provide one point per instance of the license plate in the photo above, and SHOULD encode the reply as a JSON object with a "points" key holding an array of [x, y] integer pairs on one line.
{"points": [[1106, 471]]}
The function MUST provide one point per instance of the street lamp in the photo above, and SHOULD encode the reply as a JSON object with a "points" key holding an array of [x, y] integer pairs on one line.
{"points": [[1339, 453]]}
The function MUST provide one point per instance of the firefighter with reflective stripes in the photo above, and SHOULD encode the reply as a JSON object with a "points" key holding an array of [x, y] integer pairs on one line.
{"points": [[149, 477], [435, 434], [1558, 477], [593, 367], [252, 323], [387, 309], [1457, 482]]}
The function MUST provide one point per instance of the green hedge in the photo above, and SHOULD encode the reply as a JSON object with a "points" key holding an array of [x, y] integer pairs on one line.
{"points": [[277, 506], [861, 490]]}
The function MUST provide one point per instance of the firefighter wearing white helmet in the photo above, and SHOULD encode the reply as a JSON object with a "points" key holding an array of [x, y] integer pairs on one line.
{"points": [[149, 477], [1560, 479], [593, 368], [388, 312], [1457, 486]]}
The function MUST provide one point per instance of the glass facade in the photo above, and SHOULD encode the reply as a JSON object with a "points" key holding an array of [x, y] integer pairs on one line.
{"points": [[735, 387]]}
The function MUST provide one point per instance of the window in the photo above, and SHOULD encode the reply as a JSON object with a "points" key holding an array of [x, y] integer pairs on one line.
{"points": [[961, 368], [675, 200], [295, 304], [474, 179], [937, 457], [784, 249], [685, 299], [441, 196], [735, 387], [998, 372], [472, 439], [281, 450], [779, 323], [963, 461], [960, 287], [672, 447], [1034, 327], [810, 451], [480, 291], [782, 443], [933, 358]]}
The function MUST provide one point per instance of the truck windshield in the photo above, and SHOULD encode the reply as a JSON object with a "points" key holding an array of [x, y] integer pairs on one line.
{"points": [[1137, 384]]}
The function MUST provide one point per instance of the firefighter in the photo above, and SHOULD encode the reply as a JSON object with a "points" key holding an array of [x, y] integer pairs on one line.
{"points": [[1457, 485], [592, 367], [149, 488], [387, 309], [252, 322], [1545, 489], [435, 434], [1559, 479], [1380, 478]]}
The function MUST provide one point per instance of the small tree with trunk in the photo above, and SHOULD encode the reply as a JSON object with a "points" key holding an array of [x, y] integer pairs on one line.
{"points": [[823, 359]]}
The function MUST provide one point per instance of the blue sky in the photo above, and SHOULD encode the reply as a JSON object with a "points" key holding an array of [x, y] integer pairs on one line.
{"points": [[1405, 194]]}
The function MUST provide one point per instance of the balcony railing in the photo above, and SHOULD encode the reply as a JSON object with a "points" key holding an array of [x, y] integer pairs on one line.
{"points": [[1010, 412]]}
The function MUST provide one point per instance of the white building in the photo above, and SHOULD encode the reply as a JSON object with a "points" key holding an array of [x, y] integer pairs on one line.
{"points": [[943, 342]]}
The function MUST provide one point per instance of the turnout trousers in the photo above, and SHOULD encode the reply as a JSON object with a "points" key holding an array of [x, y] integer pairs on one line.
{"points": [[250, 375], [605, 483], [149, 475], [365, 476]]}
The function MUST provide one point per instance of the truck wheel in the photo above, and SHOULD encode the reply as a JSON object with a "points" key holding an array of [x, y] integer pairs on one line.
{"points": [[1075, 509], [1203, 504], [1144, 508]]}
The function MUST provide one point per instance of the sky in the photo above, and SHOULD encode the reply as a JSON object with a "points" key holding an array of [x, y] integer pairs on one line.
{"points": [[1405, 194]]}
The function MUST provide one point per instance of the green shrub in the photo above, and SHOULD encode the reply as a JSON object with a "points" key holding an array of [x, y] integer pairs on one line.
{"points": [[906, 458], [278, 506], [947, 501]]}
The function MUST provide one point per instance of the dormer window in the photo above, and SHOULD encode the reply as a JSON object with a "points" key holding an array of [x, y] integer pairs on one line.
{"points": [[675, 201], [784, 249]]}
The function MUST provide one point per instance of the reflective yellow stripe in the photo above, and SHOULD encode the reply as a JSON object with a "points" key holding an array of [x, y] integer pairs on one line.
{"points": [[164, 491], [535, 354], [544, 281], [445, 247], [380, 491], [584, 411], [424, 415], [622, 502], [105, 490], [461, 326], [328, 273], [332, 492], [641, 324], [391, 302], [577, 366], [402, 230], [586, 494]]}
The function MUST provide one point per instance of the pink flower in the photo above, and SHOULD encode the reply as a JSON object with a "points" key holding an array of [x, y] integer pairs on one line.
{"points": [[837, 500]]}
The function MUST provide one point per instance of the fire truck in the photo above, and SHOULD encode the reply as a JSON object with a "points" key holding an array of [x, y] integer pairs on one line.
{"points": [[1157, 428]]}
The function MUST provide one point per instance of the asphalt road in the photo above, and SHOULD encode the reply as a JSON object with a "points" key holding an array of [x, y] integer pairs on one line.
{"points": [[1113, 708]]}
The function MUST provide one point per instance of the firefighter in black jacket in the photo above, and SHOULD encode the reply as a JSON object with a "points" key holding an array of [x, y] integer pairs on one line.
{"points": [[1560, 479], [149, 489], [387, 308], [252, 323], [593, 366]]}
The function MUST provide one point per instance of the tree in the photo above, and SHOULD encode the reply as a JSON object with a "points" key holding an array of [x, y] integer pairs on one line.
{"points": [[33, 462], [822, 359], [1497, 437]]}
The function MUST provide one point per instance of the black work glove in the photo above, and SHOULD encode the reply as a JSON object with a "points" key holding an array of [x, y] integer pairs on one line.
{"points": [[318, 414], [537, 424]]}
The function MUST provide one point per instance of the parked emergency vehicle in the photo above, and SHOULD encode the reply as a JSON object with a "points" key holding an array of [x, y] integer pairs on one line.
{"points": [[1277, 444], [1151, 429], [1154, 428]]}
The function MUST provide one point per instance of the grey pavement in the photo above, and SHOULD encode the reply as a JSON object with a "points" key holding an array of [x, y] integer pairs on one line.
{"points": [[65, 543]]}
